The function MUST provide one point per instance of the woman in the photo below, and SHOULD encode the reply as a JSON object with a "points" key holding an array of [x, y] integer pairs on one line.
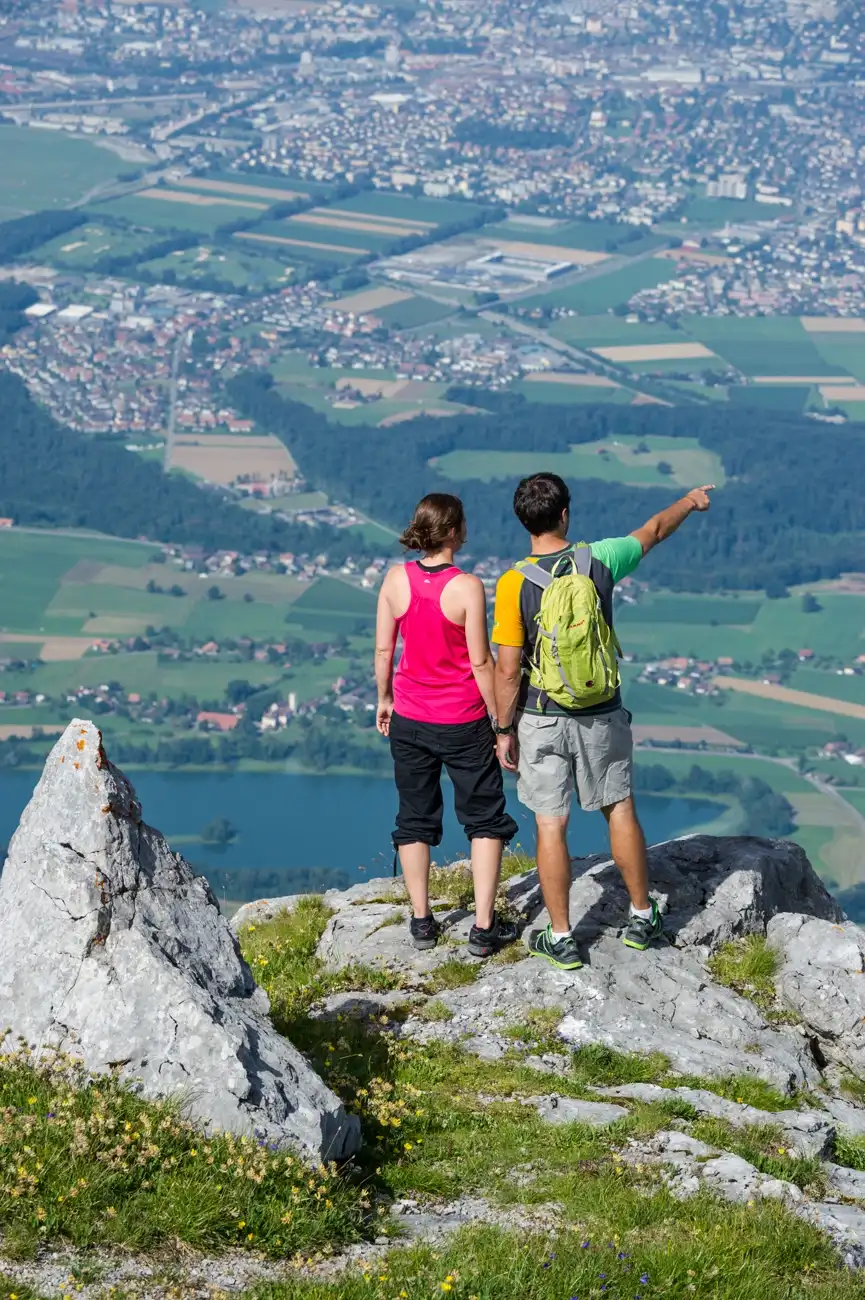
{"points": [[436, 710]]}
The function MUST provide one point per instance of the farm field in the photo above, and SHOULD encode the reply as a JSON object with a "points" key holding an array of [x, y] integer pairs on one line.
{"points": [[61, 592], [549, 388], [613, 460], [242, 265], [80, 249], [414, 311], [761, 345], [224, 458], [601, 293], [594, 332], [163, 209], [407, 209], [294, 243], [666, 624], [49, 169], [277, 186], [594, 236], [720, 212]]}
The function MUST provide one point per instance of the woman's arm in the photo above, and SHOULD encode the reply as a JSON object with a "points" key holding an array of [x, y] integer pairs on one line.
{"points": [[478, 641], [385, 643]]}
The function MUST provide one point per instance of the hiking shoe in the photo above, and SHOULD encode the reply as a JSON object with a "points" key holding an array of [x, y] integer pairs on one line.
{"points": [[483, 943], [561, 953], [425, 931], [640, 931]]}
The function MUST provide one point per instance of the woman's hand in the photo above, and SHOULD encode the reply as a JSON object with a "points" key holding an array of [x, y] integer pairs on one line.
{"points": [[383, 715]]}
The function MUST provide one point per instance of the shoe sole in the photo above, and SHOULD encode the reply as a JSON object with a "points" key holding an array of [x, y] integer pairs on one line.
{"points": [[641, 947], [559, 965], [491, 949], [423, 945]]}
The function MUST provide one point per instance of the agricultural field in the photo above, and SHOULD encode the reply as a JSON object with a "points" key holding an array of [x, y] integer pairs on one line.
{"points": [[702, 211], [621, 460], [742, 627], [414, 311], [49, 169], [225, 458], [242, 265], [80, 249], [761, 346], [593, 236], [160, 209], [63, 592], [566, 389], [598, 292], [361, 397]]}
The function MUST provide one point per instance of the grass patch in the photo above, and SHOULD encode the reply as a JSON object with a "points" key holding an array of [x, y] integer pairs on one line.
{"points": [[452, 974], [853, 1087], [850, 1151], [765, 1147], [86, 1161], [435, 1011], [620, 1244], [748, 966], [539, 1030], [597, 1066]]}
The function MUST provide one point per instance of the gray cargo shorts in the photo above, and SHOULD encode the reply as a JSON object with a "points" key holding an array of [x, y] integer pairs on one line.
{"points": [[559, 755]]}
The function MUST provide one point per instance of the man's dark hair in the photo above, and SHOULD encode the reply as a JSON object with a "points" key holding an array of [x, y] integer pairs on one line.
{"points": [[540, 502]]}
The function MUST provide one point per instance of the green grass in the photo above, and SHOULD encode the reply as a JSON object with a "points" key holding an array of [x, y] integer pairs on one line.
{"points": [[844, 351], [413, 312], [79, 249], [90, 1163], [49, 169], [719, 212], [612, 331], [553, 394], [384, 203], [776, 345], [332, 605], [601, 293], [749, 967], [32, 566], [241, 265], [613, 460], [593, 236], [161, 214]]}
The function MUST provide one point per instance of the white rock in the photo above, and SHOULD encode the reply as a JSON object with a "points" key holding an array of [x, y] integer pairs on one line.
{"points": [[137, 969]]}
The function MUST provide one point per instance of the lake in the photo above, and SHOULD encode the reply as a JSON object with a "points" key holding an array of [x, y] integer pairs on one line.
{"points": [[296, 831]]}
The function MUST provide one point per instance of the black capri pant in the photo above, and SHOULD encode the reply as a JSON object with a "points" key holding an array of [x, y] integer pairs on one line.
{"points": [[466, 750]]}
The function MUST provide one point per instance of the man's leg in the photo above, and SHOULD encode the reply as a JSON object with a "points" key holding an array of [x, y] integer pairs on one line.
{"points": [[554, 869], [628, 849]]}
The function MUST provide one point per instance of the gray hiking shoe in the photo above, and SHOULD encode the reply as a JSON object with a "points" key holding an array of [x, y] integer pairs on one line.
{"points": [[640, 931], [562, 953]]}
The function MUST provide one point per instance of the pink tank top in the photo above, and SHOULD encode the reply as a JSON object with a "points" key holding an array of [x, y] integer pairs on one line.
{"points": [[433, 681]]}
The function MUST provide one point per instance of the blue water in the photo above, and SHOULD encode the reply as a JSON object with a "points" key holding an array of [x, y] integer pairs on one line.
{"points": [[297, 831]]}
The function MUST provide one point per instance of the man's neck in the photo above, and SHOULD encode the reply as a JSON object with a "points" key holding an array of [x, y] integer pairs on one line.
{"points": [[549, 543]]}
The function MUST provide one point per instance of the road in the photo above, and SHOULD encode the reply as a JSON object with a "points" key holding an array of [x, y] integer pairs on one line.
{"points": [[180, 342]]}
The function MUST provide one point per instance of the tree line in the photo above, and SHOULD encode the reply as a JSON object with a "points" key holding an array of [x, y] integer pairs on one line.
{"points": [[791, 510], [52, 477], [766, 812]]}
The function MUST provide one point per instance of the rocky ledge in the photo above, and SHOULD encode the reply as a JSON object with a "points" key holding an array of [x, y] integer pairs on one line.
{"points": [[712, 891]]}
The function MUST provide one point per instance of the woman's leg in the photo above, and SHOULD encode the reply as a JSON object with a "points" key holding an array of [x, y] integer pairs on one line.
{"points": [[417, 771], [479, 802]]}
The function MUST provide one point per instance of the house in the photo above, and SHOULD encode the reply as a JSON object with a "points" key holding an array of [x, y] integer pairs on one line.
{"points": [[217, 721], [804, 655]]}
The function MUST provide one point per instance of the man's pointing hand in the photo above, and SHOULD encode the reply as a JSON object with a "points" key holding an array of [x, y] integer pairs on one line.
{"points": [[699, 497]]}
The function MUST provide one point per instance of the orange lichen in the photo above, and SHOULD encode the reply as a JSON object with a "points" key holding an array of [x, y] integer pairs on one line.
{"points": [[76, 766], [79, 745]]}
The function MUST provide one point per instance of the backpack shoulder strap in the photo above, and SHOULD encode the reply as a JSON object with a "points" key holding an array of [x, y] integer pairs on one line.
{"points": [[583, 560], [534, 574]]}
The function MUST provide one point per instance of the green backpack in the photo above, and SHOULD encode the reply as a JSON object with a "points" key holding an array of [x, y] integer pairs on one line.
{"points": [[575, 659]]}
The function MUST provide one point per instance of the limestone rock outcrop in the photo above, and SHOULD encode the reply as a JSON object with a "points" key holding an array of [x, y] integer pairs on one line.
{"points": [[112, 950]]}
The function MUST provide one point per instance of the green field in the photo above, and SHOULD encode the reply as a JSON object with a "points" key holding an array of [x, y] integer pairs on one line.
{"points": [[385, 203], [613, 460], [600, 292], [413, 312], [570, 394], [260, 180], [50, 169], [173, 213], [770, 397], [758, 345], [593, 236], [612, 331], [844, 351], [720, 212], [837, 629], [241, 264], [79, 249]]}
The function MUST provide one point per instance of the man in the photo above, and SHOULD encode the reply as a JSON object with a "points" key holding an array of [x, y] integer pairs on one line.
{"points": [[556, 750]]}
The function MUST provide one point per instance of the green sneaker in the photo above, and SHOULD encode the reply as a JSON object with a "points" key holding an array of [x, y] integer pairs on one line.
{"points": [[562, 954], [640, 931]]}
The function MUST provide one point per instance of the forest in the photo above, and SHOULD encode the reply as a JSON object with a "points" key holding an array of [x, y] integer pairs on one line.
{"points": [[791, 511], [53, 477], [22, 234]]}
